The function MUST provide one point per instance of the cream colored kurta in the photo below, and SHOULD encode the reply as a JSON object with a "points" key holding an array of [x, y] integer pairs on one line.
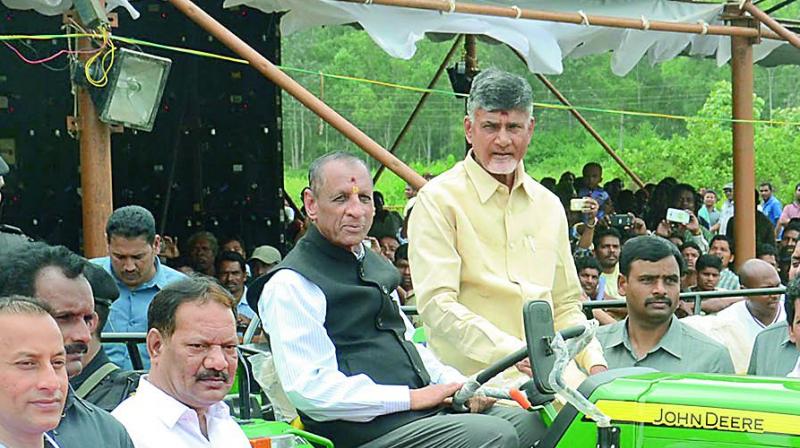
{"points": [[478, 253]]}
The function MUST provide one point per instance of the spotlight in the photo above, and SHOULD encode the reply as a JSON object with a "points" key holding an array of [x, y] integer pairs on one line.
{"points": [[133, 93]]}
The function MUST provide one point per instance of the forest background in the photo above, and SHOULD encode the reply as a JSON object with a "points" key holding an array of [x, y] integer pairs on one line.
{"points": [[696, 150]]}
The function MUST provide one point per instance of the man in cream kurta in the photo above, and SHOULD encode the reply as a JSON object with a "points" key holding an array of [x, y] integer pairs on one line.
{"points": [[485, 238]]}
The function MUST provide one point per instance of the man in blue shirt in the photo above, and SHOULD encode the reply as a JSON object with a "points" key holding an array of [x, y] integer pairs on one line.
{"points": [[133, 248], [770, 206]]}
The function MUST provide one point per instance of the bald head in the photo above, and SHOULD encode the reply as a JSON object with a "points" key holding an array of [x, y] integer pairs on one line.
{"points": [[756, 273]]}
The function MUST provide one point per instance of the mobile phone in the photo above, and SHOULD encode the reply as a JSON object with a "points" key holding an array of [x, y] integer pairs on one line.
{"points": [[578, 204], [678, 216], [621, 220]]}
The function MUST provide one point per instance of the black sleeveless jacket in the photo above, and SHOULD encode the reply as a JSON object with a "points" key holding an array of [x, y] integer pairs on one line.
{"points": [[365, 326]]}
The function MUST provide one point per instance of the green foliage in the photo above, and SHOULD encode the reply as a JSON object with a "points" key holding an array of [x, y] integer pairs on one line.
{"points": [[695, 151]]}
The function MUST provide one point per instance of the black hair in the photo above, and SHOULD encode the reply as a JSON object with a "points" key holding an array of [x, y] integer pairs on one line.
{"points": [[675, 194], [236, 238], [791, 295], [690, 245], [766, 249], [230, 255], [721, 238], [590, 165], [794, 224], [708, 261], [401, 253], [102, 308], [132, 221], [648, 248], [378, 200], [164, 307], [602, 233], [18, 270], [582, 263]]}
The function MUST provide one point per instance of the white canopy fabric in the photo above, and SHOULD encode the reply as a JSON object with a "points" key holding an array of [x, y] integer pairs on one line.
{"points": [[53, 7], [544, 45]]}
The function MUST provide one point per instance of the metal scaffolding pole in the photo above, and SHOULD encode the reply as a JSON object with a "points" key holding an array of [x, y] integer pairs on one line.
{"points": [[743, 148], [285, 82], [578, 116], [422, 100], [95, 167], [772, 24], [577, 18]]}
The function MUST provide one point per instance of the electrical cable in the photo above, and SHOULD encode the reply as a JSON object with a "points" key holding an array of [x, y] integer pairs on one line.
{"points": [[107, 39], [46, 59]]}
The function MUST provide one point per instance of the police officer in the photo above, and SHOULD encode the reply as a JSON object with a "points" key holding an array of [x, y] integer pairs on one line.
{"points": [[10, 236]]}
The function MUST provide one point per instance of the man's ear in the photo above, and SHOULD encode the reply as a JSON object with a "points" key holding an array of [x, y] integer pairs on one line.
{"points": [[95, 322], [622, 283], [157, 244], [468, 129], [311, 205], [155, 343]]}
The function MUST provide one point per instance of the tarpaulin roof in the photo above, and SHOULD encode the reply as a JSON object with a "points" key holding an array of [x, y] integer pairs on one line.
{"points": [[543, 45]]}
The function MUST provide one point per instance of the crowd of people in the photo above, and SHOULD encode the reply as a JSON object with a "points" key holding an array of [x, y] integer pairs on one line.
{"points": [[471, 247]]}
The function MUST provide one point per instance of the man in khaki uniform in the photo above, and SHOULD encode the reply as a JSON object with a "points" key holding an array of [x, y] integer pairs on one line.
{"points": [[651, 336]]}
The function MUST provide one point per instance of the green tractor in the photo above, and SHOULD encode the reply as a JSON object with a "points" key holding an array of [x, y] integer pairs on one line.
{"points": [[623, 408], [641, 407]]}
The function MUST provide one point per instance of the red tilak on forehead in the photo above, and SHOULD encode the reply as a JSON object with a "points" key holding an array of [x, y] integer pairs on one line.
{"points": [[503, 113], [353, 179]]}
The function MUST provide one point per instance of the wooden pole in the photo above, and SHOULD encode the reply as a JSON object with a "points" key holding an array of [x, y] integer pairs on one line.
{"points": [[744, 183], [578, 116], [95, 169], [772, 24], [575, 18], [471, 70], [422, 100], [285, 82]]}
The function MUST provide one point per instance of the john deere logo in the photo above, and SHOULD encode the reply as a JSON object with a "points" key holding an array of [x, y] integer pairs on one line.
{"points": [[701, 417], [708, 420]]}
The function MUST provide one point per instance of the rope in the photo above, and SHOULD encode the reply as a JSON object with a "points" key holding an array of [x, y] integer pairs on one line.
{"points": [[705, 26], [367, 2], [518, 11], [645, 23], [452, 6], [584, 18]]}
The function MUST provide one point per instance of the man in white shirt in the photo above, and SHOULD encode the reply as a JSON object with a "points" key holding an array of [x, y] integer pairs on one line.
{"points": [[756, 313], [192, 345], [33, 374], [343, 349]]}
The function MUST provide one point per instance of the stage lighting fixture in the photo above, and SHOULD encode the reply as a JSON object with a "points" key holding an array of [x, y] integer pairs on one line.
{"points": [[133, 94]]}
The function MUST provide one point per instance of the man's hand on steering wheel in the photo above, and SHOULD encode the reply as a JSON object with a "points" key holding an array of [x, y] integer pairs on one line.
{"points": [[524, 366], [479, 404]]}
